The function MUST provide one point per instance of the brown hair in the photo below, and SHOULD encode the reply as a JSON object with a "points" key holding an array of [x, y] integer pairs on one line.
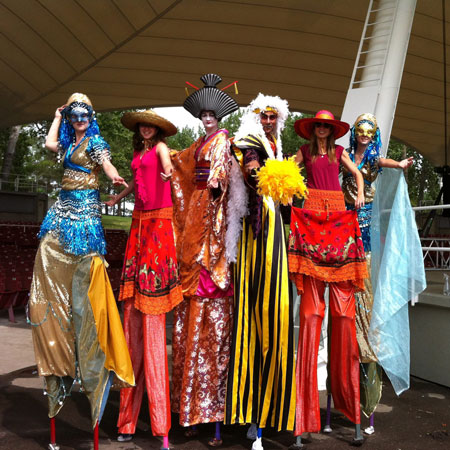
{"points": [[138, 141], [314, 147]]}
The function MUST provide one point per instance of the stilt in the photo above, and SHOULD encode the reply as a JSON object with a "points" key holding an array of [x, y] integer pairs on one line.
{"points": [[53, 445], [96, 436], [358, 440], [298, 444], [216, 441], [217, 434], [370, 429], [327, 427], [165, 445]]}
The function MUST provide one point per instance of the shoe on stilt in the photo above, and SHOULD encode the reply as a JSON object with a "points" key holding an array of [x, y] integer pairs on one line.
{"points": [[214, 442], [191, 432], [123, 437], [257, 445]]}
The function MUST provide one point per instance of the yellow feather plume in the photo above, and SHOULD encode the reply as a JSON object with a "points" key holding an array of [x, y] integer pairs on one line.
{"points": [[281, 180]]}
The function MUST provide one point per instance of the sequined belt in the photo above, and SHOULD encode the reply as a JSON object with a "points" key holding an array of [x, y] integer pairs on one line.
{"points": [[202, 175], [79, 195]]}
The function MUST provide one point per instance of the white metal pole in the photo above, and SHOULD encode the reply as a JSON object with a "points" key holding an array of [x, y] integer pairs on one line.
{"points": [[393, 69]]}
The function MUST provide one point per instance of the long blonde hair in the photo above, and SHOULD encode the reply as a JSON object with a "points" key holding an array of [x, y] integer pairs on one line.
{"points": [[314, 147]]}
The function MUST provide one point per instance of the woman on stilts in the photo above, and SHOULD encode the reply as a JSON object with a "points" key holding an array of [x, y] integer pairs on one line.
{"points": [[325, 246], [203, 321], [150, 285], [76, 327], [364, 151]]}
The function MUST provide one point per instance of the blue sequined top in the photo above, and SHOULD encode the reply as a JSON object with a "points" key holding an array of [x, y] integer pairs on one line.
{"points": [[75, 218]]}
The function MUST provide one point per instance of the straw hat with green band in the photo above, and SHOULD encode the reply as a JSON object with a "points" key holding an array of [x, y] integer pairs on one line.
{"points": [[131, 119]]}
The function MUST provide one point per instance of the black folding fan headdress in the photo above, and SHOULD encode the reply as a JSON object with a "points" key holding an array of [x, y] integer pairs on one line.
{"points": [[210, 98]]}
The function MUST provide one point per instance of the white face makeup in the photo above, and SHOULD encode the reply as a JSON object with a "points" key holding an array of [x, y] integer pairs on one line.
{"points": [[209, 120]]}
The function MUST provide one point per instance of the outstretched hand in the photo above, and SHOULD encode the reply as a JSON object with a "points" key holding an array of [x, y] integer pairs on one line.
{"points": [[113, 200], [405, 163], [118, 180]]}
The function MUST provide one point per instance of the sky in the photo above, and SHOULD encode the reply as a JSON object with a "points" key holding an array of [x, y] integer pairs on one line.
{"points": [[179, 117]]}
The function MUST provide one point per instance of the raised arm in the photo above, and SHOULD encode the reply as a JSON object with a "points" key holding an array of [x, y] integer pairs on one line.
{"points": [[51, 142], [351, 167], [392, 164]]}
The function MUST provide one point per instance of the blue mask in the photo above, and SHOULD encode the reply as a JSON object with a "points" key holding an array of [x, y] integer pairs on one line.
{"points": [[79, 117], [78, 112]]}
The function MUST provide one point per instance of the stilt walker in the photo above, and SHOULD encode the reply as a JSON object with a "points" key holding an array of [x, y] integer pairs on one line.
{"points": [[203, 321], [76, 327], [364, 151], [150, 285], [261, 382], [325, 246]]}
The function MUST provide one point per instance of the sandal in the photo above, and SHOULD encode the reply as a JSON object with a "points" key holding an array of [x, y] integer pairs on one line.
{"points": [[214, 442], [191, 432]]}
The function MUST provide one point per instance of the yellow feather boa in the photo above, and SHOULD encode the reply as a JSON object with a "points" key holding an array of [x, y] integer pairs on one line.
{"points": [[281, 180]]}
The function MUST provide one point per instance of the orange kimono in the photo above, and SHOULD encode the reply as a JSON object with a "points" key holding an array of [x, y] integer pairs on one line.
{"points": [[203, 321]]}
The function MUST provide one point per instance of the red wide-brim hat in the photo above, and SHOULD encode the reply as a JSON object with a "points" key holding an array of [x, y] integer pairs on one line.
{"points": [[305, 127]]}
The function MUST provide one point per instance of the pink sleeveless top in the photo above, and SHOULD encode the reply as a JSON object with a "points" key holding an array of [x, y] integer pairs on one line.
{"points": [[321, 174], [150, 191]]}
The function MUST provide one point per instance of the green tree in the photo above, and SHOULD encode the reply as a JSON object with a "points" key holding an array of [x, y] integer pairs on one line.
{"points": [[423, 182], [119, 139], [232, 122], [183, 139], [289, 138]]}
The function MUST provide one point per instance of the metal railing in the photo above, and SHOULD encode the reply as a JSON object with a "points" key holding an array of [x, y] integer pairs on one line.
{"points": [[436, 254], [22, 183]]}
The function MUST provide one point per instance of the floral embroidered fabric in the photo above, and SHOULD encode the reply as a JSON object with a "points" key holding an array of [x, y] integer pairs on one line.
{"points": [[326, 245], [151, 276]]}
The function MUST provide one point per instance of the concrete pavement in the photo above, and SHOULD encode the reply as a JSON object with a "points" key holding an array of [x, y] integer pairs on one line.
{"points": [[418, 419]]}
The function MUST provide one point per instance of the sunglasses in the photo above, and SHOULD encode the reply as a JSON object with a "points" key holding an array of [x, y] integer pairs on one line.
{"points": [[324, 125]]}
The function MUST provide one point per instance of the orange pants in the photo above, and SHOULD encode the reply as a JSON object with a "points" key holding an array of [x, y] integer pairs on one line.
{"points": [[146, 339], [344, 356]]}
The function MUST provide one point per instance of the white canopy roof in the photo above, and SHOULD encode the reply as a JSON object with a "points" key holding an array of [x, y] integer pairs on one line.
{"points": [[139, 53]]}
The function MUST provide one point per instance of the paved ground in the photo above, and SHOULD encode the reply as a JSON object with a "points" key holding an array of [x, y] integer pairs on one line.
{"points": [[418, 420]]}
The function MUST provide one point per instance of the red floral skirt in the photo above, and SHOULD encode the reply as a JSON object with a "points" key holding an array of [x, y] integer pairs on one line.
{"points": [[150, 271], [325, 241]]}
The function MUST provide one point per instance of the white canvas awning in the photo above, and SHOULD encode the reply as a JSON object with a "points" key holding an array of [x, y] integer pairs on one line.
{"points": [[139, 53]]}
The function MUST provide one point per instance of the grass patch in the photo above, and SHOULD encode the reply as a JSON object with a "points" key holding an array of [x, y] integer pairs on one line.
{"points": [[116, 222]]}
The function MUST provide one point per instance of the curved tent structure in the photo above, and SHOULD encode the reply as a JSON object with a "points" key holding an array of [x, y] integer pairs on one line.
{"points": [[128, 54]]}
